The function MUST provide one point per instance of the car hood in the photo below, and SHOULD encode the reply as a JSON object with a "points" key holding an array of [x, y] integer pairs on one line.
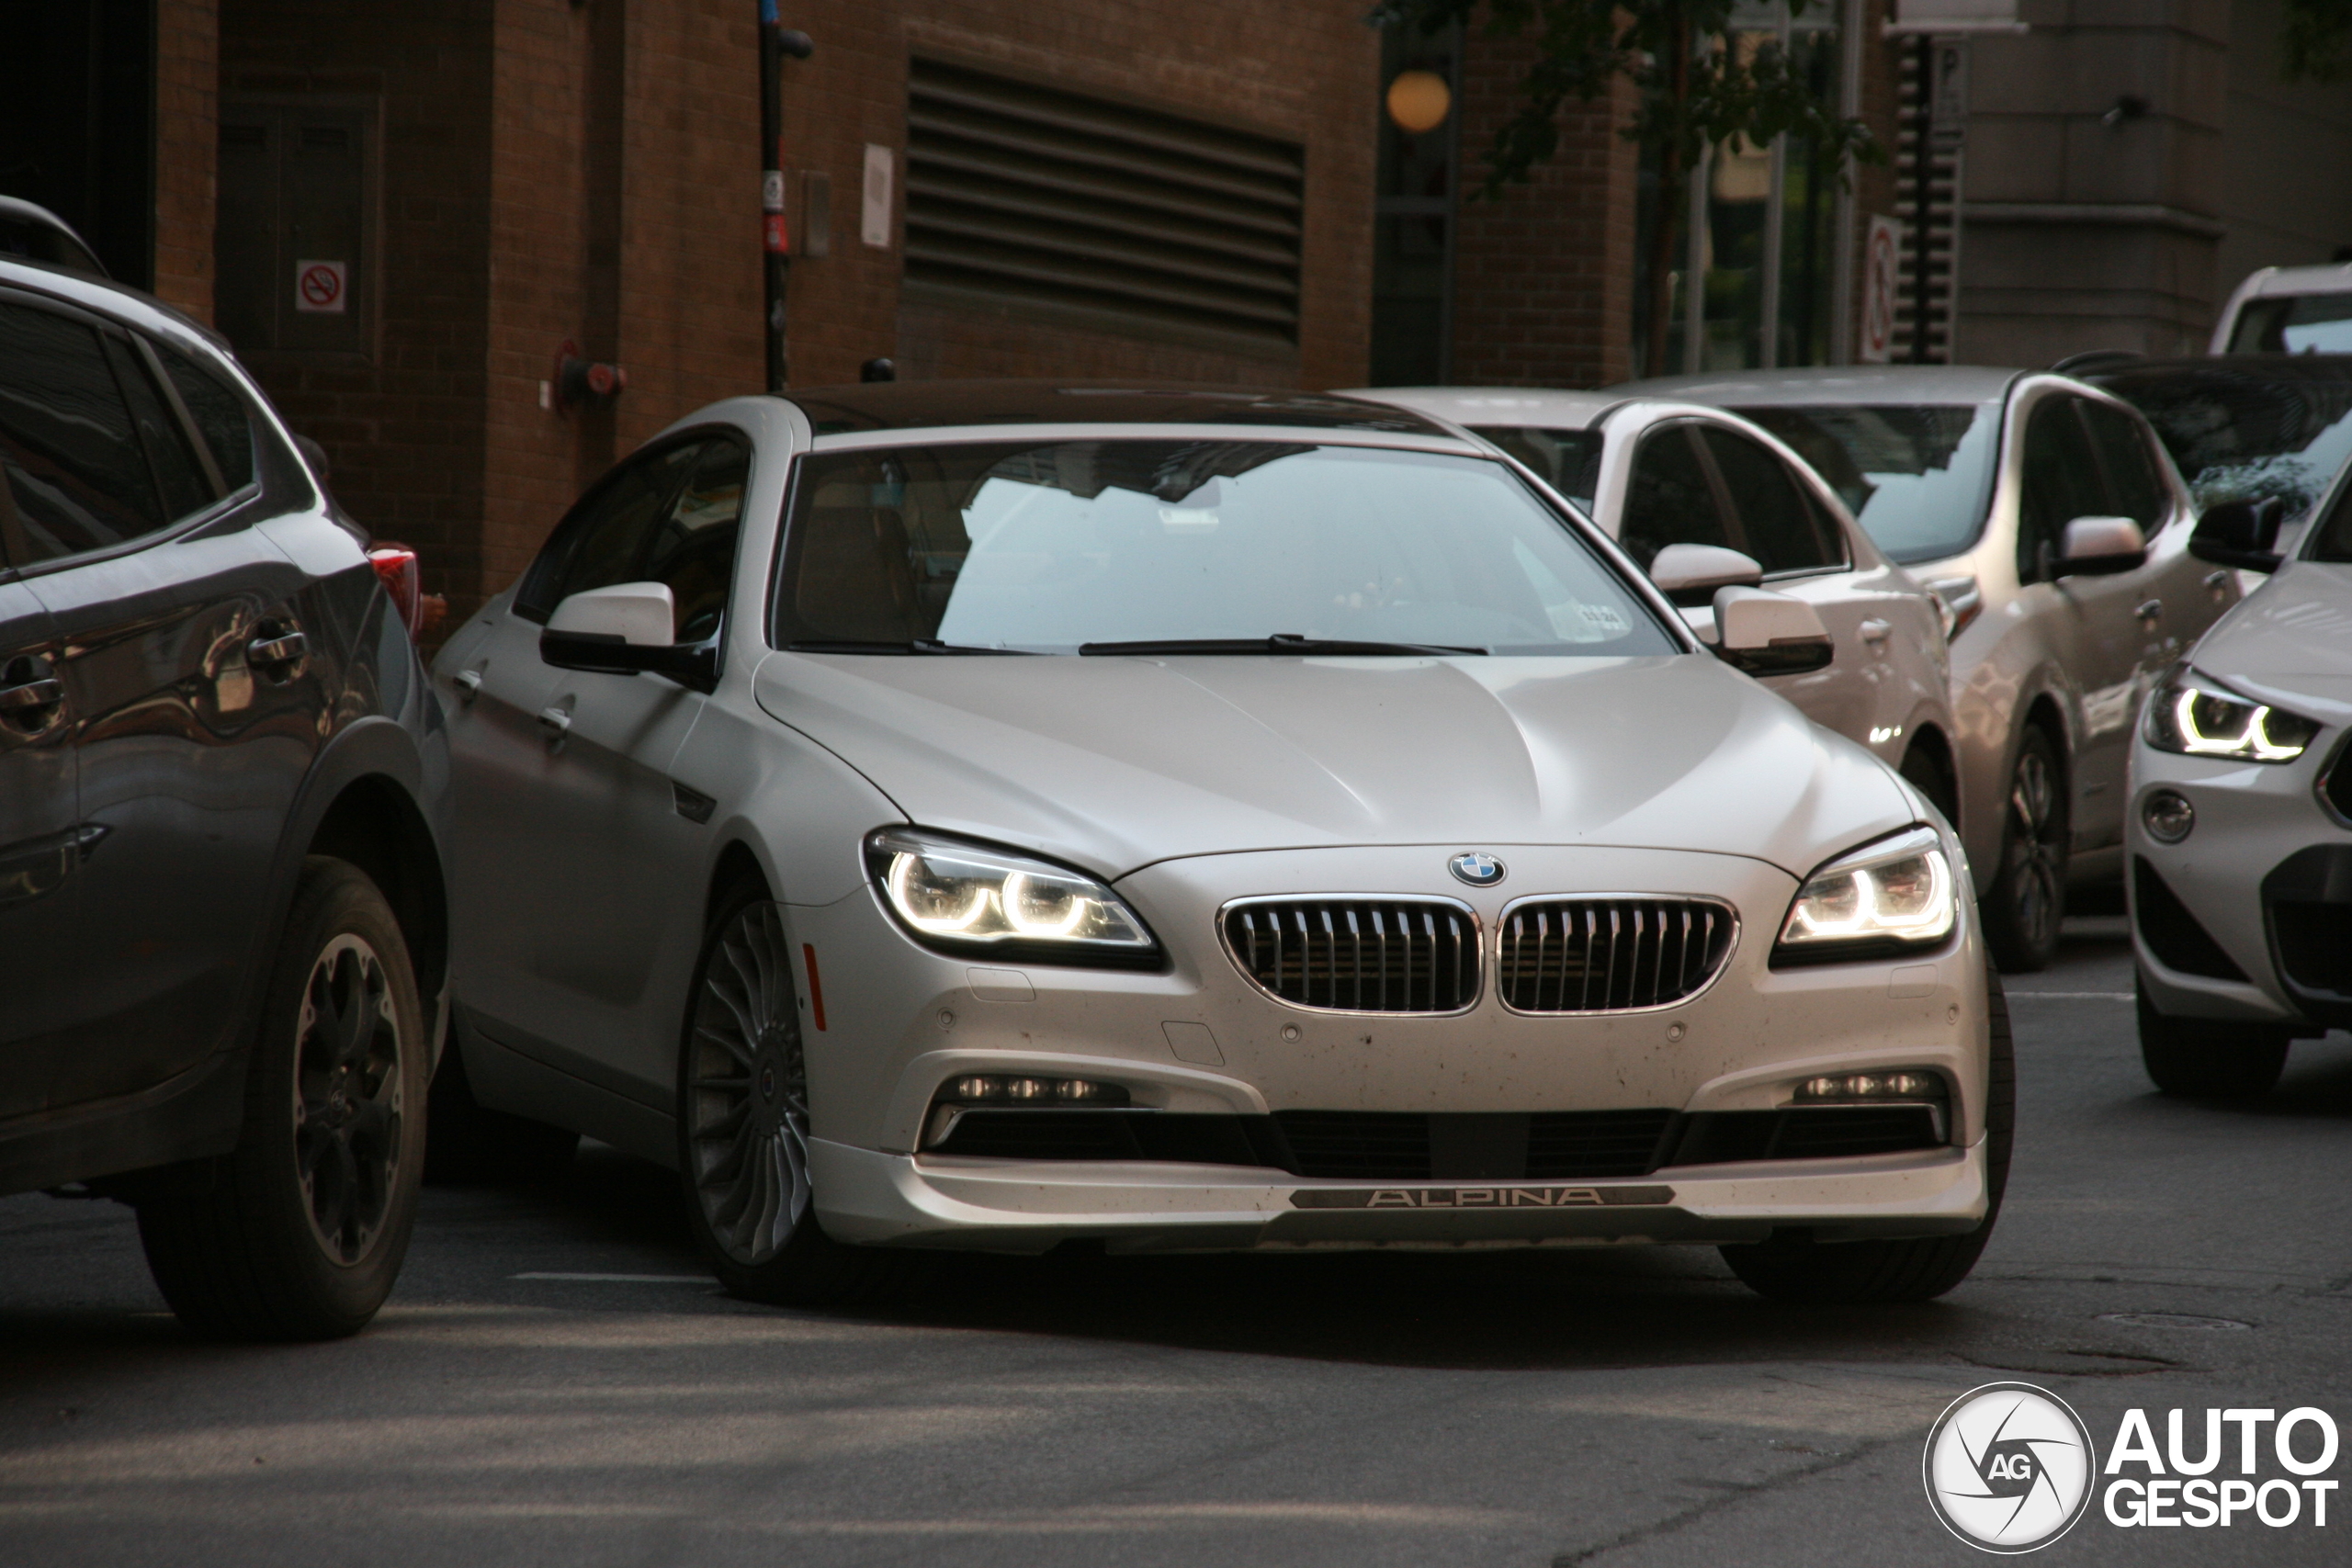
{"points": [[2289, 642], [1115, 763]]}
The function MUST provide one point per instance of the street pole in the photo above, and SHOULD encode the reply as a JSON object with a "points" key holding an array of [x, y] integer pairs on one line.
{"points": [[775, 42]]}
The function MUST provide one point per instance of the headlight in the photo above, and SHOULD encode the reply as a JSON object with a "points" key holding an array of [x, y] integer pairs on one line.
{"points": [[1889, 897], [2198, 717], [973, 898]]}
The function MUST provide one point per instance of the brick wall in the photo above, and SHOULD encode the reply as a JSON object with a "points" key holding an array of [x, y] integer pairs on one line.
{"points": [[1543, 275], [187, 74]]}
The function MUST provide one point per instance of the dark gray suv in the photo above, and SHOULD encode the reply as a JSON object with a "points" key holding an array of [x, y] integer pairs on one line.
{"points": [[223, 935]]}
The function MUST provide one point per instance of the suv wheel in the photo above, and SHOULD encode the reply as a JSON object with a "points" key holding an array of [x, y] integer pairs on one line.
{"points": [[2210, 1058], [744, 1123], [298, 1232], [1926, 773], [1857, 1272], [2024, 907]]}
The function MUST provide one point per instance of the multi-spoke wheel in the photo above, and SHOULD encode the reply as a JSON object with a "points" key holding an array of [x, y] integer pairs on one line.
{"points": [[347, 1095], [299, 1232], [747, 1092], [2027, 901], [743, 1122]]}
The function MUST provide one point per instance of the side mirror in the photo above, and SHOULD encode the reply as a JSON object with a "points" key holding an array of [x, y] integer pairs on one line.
{"points": [[623, 630], [1769, 634], [1690, 574], [2240, 533], [2101, 546]]}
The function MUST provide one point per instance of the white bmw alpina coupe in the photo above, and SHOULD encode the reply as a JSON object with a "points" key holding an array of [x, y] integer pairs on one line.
{"points": [[1002, 814]]}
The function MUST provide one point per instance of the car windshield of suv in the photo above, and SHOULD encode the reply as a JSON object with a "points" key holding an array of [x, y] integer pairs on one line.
{"points": [[1916, 476], [1142, 544], [2250, 432], [2294, 323]]}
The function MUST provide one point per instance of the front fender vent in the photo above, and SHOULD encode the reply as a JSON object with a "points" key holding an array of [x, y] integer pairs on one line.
{"points": [[1358, 954], [1610, 954]]}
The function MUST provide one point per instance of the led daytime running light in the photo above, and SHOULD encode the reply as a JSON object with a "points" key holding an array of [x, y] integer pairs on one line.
{"points": [[2253, 738]]}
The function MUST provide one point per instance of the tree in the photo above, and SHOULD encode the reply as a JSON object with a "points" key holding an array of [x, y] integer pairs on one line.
{"points": [[1695, 84]]}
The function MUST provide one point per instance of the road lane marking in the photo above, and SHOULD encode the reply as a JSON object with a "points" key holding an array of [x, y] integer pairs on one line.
{"points": [[621, 1278]]}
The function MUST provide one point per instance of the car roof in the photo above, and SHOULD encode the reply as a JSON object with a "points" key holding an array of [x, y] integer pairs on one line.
{"points": [[131, 306], [2323, 279], [1832, 384], [74, 251], [920, 405], [2233, 368], [1473, 406]]}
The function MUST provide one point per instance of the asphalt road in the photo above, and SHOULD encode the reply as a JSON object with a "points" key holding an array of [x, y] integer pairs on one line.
{"points": [[1503, 1408]]}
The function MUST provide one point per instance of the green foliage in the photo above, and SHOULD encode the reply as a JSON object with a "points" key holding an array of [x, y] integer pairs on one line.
{"points": [[1721, 90], [2317, 40]]}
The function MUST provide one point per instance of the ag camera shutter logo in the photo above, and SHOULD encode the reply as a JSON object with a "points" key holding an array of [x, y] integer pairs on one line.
{"points": [[2009, 1468]]}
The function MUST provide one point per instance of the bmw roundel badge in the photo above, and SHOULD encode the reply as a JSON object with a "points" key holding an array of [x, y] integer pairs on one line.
{"points": [[1477, 868]]}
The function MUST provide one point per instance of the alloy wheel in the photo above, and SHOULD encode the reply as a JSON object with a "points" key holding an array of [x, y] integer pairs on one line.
{"points": [[348, 1098], [2037, 830], [747, 1091]]}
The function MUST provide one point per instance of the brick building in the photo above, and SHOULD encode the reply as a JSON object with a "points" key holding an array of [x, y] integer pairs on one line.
{"points": [[402, 214]]}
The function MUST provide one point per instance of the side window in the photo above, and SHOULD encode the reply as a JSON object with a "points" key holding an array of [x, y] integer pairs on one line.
{"points": [[1567, 460], [218, 412], [178, 474], [693, 549], [1670, 499], [668, 516], [68, 441], [1783, 530], [2062, 483], [2134, 488]]}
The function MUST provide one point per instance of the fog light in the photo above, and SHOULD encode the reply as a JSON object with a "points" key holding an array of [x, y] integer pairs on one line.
{"points": [[1079, 1090], [2167, 817], [980, 1088], [1880, 1086], [1027, 1089]]}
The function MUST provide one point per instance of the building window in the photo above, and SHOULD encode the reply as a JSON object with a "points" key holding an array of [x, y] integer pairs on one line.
{"points": [[294, 244], [1413, 217], [1099, 212]]}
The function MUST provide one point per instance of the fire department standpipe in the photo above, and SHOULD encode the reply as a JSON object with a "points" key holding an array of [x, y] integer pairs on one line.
{"points": [[775, 42]]}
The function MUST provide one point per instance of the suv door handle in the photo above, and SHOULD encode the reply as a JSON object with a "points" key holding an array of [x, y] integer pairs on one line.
{"points": [[469, 684], [1876, 630], [30, 701], [282, 648], [556, 721], [2150, 609]]}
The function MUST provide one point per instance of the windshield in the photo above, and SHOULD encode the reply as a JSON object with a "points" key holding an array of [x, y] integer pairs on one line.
{"points": [[1049, 547], [1567, 460], [2294, 323], [1916, 476], [2249, 435]]}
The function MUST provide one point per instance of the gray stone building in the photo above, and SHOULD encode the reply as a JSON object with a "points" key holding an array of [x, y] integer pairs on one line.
{"points": [[2127, 162]]}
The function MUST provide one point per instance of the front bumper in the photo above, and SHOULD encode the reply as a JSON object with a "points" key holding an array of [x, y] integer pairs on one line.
{"points": [[1199, 1040], [2250, 917]]}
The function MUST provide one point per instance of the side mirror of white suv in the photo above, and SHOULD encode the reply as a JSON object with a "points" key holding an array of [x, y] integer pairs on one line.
{"points": [[2100, 546], [1690, 574], [625, 629]]}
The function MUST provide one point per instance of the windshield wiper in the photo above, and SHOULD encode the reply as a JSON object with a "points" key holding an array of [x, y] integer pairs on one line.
{"points": [[918, 645], [1281, 642]]}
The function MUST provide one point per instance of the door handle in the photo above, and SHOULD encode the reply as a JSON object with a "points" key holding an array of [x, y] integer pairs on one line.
{"points": [[557, 722], [2218, 579], [276, 651], [33, 695], [1876, 630], [2150, 609], [469, 684]]}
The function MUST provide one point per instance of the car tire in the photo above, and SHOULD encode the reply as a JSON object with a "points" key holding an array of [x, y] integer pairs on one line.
{"points": [[743, 1124], [1927, 773], [473, 1146], [1800, 1269], [299, 1231], [2025, 906], [2201, 1058]]}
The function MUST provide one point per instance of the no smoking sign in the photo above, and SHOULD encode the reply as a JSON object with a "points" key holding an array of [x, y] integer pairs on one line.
{"points": [[321, 288]]}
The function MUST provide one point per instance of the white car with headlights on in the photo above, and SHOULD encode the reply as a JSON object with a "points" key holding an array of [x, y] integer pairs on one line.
{"points": [[997, 814], [2241, 818]]}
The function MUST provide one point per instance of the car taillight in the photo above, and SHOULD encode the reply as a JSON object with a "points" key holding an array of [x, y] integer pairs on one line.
{"points": [[396, 567]]}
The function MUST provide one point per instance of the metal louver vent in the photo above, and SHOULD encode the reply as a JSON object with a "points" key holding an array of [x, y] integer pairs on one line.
{"points": [[1358, 954], [1035, 195], [1609, 954]]}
